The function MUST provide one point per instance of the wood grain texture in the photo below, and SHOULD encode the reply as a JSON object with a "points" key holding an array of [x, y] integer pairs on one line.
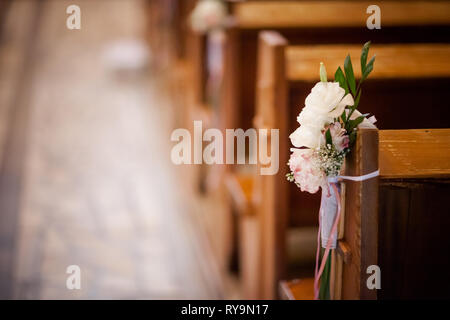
{"points": [[272, 210], [361, 217], [241, 189], [392, 61], [231, 79], [297, 289], [249, 256], [415, 154], [393, 241], [413, 209], [254, 14], [344, 250], [338, 277], [15, 130]]}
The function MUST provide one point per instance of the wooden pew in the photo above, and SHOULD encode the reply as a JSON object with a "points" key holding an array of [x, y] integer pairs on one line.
{"points": [[357, 233], [398, 221], [310, 22], [413, 223], [273, 14], [408, 204], [314, 22], [301, 22], [168, 29], [229, 102], [286, 76], [237, 89], [304, 22]]}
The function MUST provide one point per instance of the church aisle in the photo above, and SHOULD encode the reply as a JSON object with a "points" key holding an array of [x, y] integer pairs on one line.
{"points": [[99, 190]]}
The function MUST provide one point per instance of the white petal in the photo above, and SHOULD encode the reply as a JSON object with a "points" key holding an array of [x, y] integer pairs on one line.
{"points": [[346, 101], [306, 136], [309, 117]]}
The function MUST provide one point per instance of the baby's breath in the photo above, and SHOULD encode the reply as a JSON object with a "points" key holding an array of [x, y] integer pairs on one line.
{"points": [[290, 177], [330, 160]]}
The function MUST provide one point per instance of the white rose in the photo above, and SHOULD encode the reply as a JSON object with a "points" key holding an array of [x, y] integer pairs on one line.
{"points": [[328, 99], [307, 136], [313, 119]]}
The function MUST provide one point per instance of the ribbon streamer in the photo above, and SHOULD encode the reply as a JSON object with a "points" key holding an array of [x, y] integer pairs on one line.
{"points": [[332, 182]]}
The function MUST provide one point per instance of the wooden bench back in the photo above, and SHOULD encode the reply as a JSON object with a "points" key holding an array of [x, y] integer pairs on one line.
{"points": [[406, 77], [280, 95], [401, 217], [398, 222], [392, 62], [316, 22], [288, 14], [398, 69], [413, 213], [415, 154]]}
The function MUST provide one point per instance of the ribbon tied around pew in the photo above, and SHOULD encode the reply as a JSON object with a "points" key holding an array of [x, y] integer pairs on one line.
{"points": [[329, 215]]}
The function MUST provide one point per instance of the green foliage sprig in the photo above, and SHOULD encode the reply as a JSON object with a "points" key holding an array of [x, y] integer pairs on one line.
{"points": [[348, 83]]}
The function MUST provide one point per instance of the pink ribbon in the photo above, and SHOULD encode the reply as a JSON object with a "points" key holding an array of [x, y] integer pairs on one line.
{"points": [[318, 272], [333, 183]]}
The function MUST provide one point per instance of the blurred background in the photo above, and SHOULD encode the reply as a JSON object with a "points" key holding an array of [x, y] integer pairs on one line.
{"points": [[86, 177], [86, 117]]}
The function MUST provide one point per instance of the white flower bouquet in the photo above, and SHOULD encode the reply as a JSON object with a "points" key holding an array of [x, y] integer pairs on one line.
{"points": [[327, 132]]}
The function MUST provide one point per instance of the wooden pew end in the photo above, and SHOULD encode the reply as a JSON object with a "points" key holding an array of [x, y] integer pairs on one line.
{"points": [[297, 289], [240, 188]]}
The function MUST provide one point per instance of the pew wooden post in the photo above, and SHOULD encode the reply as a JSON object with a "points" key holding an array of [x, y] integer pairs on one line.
{"points": [[241, 189], [272, 210], [230, 80], [197, 45], [361, 217]]}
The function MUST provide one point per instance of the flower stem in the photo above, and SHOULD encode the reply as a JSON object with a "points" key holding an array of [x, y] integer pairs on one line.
{"points": [[324, 291], [323, 73]]}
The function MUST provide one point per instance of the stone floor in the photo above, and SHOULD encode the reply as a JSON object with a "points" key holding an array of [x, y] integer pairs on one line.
{"points": [[98, 188]]}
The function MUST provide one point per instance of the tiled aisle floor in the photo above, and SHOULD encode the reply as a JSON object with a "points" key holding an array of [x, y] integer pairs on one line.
{"points": [[99, 188]]}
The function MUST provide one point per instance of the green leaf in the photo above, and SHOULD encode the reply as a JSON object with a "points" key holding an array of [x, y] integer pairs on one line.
{"points": [[340, 78], [349, 74], [344, 116], [328, 138], [354, 123], [352, 138], [324, 291], [368, 69], [358, 97], [353, 108], [364, 54]]}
